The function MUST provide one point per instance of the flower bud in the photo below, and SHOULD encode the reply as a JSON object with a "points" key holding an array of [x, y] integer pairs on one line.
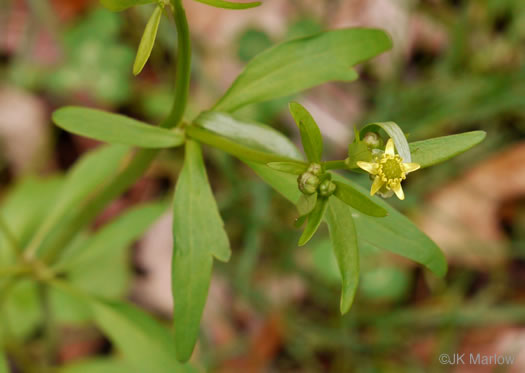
{"points": [[308, 183], [373, 140], [327, 188]]}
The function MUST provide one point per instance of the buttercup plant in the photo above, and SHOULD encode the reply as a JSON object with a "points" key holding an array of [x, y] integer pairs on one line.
{"points": [[51, 255]]}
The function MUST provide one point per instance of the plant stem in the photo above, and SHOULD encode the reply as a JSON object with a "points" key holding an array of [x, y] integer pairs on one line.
{"points": [[334, 165], [183, 73], [143, 159], [49, 327]]}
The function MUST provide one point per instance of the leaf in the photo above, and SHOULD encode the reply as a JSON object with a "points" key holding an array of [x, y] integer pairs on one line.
{"points": [[306, 203], [395, 132], [299, 64], [24, 207], [147, 41], [88, 175], [310, 134], [198, 236], [114, 128], [295, 168], [314, 220], [3, 363], [98, 365], [250, 135], [430, 152], [395, 232], [357, 200], [118, 5], [146, 344], [344, 243], [230, 5], [112, 238]]}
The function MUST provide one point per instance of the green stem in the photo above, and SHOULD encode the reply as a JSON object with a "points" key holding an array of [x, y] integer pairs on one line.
{"points": [[143, 158], [183, 73], [335, 165], [50, 336]]}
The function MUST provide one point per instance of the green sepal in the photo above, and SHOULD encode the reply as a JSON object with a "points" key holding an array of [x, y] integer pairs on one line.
{"points": [[314, 220], [306, 203]]}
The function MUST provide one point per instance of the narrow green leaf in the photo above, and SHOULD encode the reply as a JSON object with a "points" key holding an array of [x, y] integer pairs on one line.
{"points": [[147, 41], [146, 344], [118, 5], [89, 174], [3, 363], [344, 243], [314, 220], [198, 236], [245, 137], [112, 238], [357, 200], [230, 5], [432, 151], [396, 233], [299, 64], [395, 132], [306, 203], [98, 365], [310, 134], [115, 128], [295, 168]]}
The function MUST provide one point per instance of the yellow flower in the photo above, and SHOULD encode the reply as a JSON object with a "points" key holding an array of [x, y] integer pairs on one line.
{"points": [[389, 170]]}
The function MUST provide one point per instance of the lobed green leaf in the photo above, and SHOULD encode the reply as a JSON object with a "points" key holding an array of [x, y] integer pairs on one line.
{"points": [[299, 64], [432, 151], [147, 41], [119, 5], [344, 244], [115, 128], [230, 5], [310, 134], [198, 236]]}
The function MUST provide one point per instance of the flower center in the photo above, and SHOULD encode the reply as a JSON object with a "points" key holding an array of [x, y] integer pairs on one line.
{"points": [[391, 167]]}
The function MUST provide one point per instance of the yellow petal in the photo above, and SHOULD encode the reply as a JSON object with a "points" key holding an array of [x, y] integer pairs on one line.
{"points": [[398, 190], [371, 168], [376, 185], [389, 148], [411, 167]]}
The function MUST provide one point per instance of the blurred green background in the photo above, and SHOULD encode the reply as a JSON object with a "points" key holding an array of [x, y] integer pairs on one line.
{"points": [[457, 65]]}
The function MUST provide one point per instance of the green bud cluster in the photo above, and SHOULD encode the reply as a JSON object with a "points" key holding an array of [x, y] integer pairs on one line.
{"points": [[315, 180]]}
